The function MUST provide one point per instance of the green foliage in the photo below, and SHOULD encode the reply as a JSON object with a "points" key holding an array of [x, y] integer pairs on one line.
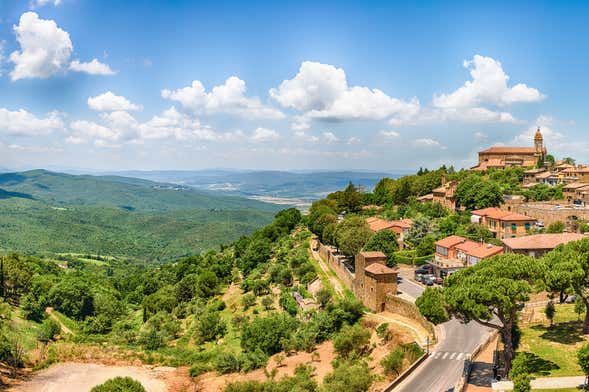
{"points": [[543, 192], [550, 311], [209, 326], [348, 200], [520, 373], [348, 376], [384, 241], [475, 193], [197, 369], [119, 384], [301, 381], [288, 303], [72, 297], [583, 358], [422, 227], [351, 341], [426, 246], [267, 333], [352, 234], [431, 305], [227, 362], [555, 227], [393, 362], [158, 331], [257, 252], [48, 330]]}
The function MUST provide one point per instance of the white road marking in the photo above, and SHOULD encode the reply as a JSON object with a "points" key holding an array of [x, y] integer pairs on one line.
{"points": [[445, 355], [459, 356], [437, 355], [452, 356]]}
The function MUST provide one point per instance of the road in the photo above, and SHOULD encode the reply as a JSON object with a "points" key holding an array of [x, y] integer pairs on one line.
{"points": [[442, 370]]}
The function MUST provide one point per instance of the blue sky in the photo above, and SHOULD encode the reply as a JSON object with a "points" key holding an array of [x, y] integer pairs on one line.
{"points": [[110, 85]]}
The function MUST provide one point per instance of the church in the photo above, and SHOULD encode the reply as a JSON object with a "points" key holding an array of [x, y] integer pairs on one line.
{"points": [[501, 157]]}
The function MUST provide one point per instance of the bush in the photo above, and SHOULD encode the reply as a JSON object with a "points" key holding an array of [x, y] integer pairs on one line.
{"points": [[352, 340], [119, 384], [267, 333], [208, 326], [197, 369], [349, 377], [48, 330], [227, 363], [393, 362]]}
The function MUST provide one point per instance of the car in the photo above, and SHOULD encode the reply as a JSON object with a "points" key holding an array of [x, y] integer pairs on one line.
{"points": [[439, 281], [428, 280], [419, 277]]}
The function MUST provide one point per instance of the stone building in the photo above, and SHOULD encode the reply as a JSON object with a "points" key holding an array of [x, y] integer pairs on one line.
{"points": [[504, 224], [501, 157], [374, 280]]}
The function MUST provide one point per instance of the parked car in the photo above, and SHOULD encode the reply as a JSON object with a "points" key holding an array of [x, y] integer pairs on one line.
{"points": [[428, 280], [439, 281]]}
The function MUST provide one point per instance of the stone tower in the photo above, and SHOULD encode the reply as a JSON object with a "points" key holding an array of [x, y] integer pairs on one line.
{"points": [[539, 142]]}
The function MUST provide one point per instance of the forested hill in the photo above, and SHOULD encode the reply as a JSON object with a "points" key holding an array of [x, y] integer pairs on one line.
{"points": [[48, 212]]}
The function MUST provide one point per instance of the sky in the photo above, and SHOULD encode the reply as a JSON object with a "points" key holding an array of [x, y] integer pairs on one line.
{"points": [[368, 85]]}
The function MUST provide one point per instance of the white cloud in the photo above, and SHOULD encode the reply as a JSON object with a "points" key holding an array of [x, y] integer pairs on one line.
{"points": [[83, 131], [428, 143], [463, 115], [552, 138], [321, 91], [109, 102], [353, 140], [23, 123], [480, 136], [226, 98], [305, 137], [265, 135], [488, 86], [93, 67], [390, 134], [33, 4], [330, 137], [300, 123], [45, 50]]}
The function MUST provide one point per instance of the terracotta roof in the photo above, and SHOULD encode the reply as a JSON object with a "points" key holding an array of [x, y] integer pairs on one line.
{"points": [[373, 255], [541, 241], [502, 215], [546, 175], [535, 171], [451, 241], [377, 224], [509, 150], [479, 249], [379, 269], [575, 185], [427, 197], [403, 223]]}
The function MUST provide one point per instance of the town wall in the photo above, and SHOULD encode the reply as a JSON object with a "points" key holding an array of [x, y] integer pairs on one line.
{"points": [[546, 213], [397, 305], [336, 263]]}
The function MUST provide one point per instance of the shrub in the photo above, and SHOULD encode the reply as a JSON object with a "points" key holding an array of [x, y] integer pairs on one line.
{"points": [[197, 369], [351, 340], [227, 363], [119, 384], [393, 362], [48, 330]]}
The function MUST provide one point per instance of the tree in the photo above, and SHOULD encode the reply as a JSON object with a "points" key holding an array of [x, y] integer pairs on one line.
{"points": [[323, 297], [267, 302], [384, 241], [352, 234], [489, 293], [209, 326], [257, 252], [48, 330], [267, 333], [567, 268], [119, 384], [426, 247], [393, 362], [348, 200], [73, 297], [579, 307], [583, 360], [431, 305], [568, 160], [556, 227], [550, 310], [475, 193], [351, 340], [420, 228], [349, 377]]}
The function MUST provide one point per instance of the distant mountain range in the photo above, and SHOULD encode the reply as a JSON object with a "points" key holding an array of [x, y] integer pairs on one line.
{"points": [[42, 211], [281, 187]]}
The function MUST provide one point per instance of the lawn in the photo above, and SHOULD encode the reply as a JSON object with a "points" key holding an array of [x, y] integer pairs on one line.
{"points": [[555, 348]]}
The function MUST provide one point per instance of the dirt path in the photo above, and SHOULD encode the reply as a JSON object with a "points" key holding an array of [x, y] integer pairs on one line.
{"points": [[64, 328], [337, 286], [82, 377], [419, 333]]}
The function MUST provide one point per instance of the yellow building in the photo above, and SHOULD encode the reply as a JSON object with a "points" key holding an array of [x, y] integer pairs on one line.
{"points": [[502, 157]]}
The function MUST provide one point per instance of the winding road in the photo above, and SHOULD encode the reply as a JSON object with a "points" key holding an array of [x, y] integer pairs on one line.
{"points": [[442, 370]]}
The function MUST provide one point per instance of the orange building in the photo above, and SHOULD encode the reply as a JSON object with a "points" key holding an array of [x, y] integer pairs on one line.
{"points": [[400, 227], [502, 157], [456, 252], [504, 224]]}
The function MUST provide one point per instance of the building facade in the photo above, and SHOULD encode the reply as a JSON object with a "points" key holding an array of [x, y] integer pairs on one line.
{"points": [[374, 280], [456, 252], [504, 224], [538, 245], [502, 157]]}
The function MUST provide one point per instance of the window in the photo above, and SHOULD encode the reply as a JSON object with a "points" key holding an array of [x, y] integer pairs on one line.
{"points": [[441, 250], [527, 226], [514, 227]]}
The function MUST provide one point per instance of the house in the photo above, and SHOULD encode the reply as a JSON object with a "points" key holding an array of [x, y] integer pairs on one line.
{"points": [[400, 227], [530, 175], [573, 174], [502, 157], [575, 192], [444, 194], [456, 252], [374, 280], [538, 244], [504, 224]]}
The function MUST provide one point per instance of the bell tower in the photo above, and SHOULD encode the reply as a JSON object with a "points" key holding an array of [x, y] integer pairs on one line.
{"points": [[539, 142]]}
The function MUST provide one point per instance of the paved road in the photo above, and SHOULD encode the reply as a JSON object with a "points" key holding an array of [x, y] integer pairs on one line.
{"points": [[442, 370]]}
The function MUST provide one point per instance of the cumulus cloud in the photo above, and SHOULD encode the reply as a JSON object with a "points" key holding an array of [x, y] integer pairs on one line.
{"points": [[23, 123], [321, 91], [488, 86], [45, 50], [109, 102], [546, 124], [265, 135], [353, 140], [229, 97], [93, 67], [330, 137]]}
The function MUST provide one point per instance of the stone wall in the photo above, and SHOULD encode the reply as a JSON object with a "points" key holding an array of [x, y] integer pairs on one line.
{"points": [[407, 309], [335, 261], [544, 212]]}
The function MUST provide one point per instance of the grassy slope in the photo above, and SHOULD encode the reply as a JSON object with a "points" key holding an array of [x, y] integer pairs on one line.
{"points": [[42, 211]]}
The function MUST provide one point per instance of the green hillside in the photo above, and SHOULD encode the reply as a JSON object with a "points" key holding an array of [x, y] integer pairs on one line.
{"points": [[46, 212]]}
